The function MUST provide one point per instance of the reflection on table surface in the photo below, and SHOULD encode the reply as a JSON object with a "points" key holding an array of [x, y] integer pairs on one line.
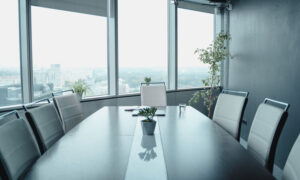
{"points": [[148, 143]]}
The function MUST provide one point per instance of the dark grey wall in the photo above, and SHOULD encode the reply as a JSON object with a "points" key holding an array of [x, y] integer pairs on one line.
{"points": [[266, 49]]}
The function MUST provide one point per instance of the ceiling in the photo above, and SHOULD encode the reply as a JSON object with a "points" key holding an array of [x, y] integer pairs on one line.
{"points": [[94, 7]]}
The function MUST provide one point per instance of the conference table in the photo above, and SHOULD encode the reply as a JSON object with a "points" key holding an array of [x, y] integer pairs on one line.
{"points": [[109, 144]]}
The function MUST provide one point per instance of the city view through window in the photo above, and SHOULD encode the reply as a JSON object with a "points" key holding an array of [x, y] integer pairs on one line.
{"points": [[69, 46], [10, 79], [143, 43], [195, 30]]}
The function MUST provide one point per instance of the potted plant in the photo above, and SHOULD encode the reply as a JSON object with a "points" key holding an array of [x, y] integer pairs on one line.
{"points": [[213, 55], [80, 87], [147, 80], [148, 124]]}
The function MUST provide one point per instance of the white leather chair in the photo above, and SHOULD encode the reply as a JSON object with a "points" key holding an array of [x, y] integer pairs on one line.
{"points": [[18, 147], [265, 131], [291, 169], [153, 94], [45, 123], [69, 109], [229, 110]]}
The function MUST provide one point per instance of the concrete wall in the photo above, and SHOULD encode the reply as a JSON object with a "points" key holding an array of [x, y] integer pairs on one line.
{"points": [[265, 45]]}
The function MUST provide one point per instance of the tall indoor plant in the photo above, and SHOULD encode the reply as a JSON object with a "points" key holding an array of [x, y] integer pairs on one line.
{"points": [[212, 55]]}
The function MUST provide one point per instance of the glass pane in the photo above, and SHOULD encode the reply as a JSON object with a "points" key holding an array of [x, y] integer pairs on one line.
{"points": [[10, 80], [142, 43], [68, 47], [195, 30]]}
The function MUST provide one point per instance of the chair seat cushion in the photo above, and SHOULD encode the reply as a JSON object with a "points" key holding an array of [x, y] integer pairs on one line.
{"points": [[154, 95], [228, 112], [70, 110], [47, 123], [18, 148], [291, 169], [262, 131]]}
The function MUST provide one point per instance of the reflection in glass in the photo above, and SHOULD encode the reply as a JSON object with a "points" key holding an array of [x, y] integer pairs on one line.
{"points": [[148, 143]]}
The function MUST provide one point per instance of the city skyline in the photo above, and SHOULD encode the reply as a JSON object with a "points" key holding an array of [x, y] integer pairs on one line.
{"points": [[47, 80]]}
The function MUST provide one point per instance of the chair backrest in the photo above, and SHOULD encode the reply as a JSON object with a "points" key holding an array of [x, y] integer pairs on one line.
{"points": [[265, 130], [46, 125], [18, 147], [70, 110], [229, 111], [291, 170], [153, 94]]}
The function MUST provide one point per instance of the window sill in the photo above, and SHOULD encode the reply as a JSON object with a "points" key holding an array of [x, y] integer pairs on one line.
{"points": [[4, 109], [97, 98]]}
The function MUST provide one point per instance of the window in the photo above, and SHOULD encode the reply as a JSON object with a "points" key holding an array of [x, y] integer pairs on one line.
{"points": [[67, 47], [10, 81], [195, 30], [142, 43]]}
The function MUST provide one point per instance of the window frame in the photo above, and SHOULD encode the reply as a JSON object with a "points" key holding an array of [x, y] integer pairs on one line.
{"points": [[25, 36], [25, 51], [23, 69]]}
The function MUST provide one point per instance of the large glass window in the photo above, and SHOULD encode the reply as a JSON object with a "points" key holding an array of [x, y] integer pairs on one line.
{"points": [[142, 43], [195, 30], [68, 47], [10, 81]]}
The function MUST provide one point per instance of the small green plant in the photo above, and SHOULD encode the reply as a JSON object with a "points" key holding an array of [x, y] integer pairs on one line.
{"points": [[80, 87], [212, 55], [148, 113], [147, 80]]}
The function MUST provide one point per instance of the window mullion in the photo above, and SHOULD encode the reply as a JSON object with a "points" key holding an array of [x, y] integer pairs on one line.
{"points": [[222, 24], [25, 50], [112, 50], [172, 45]]}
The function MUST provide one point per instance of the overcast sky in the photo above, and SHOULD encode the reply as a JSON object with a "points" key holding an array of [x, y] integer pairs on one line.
{"points": [[80, 40], [9, 34]]}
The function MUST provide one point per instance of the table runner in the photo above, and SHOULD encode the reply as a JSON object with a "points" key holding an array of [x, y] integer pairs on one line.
{"points": [[146, 160]]}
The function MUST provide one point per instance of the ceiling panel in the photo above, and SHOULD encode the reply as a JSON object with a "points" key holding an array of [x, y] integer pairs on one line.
{"points": [[94, 7], [202, 1]]}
